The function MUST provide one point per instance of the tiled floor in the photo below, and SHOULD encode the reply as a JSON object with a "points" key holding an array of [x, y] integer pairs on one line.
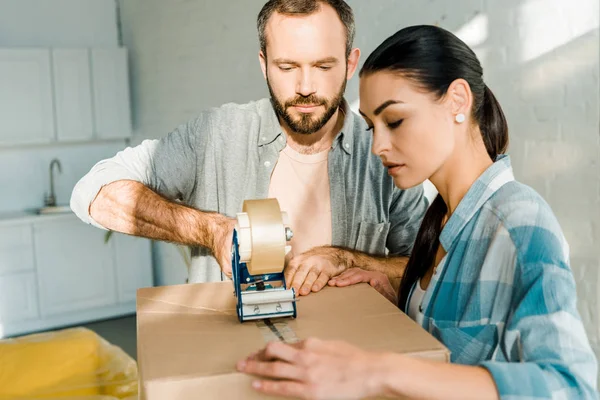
{"points": [[120, 332]]}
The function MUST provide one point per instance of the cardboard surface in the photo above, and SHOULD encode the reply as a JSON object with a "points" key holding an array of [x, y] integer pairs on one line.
{"points": [[189, 337]]}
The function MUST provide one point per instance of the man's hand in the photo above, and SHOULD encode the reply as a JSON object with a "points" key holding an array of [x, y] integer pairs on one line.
{"points": [[222, 233], [378, 280], [311, 270]]}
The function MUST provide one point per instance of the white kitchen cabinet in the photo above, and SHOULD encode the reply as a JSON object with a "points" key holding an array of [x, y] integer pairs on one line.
{"points": [[56, 271], [111, 93], [26, 108], [18, 299], [72, 94], [16, 248], [63, 95], [75, 267], [133, 255]]}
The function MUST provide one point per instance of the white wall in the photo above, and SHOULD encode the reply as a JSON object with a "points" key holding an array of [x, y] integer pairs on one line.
{"points": [[24, 176], [58, 23], [24, 172], [540, 59], [189, 55]]}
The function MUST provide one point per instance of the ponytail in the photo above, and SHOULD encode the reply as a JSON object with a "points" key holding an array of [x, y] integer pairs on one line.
{"points": [[424, 249], [492, 124]]}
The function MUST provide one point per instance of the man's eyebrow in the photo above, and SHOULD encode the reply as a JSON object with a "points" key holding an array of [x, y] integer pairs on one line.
{"points": [[284, 61], [327, 60]]}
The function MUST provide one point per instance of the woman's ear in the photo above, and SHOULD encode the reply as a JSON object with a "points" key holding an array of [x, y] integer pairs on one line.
{"points": [[460, 98]]}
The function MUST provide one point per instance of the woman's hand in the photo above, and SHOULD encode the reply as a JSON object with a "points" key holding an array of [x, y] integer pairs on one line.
{"points": [[376, 279], [315, 369]]}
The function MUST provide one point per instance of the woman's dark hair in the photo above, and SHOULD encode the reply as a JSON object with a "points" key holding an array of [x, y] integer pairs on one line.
{"points": [[433, 58]]}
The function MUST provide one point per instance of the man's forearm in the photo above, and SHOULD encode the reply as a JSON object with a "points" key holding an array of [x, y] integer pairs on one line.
{"points": [[393, 267], [132, 208]]}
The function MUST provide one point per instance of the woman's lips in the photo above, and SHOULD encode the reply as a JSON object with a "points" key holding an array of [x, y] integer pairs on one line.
{"points": [[394, 168]]}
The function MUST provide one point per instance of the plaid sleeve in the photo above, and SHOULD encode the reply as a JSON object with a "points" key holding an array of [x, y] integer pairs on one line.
{"points": [[544, 340]]}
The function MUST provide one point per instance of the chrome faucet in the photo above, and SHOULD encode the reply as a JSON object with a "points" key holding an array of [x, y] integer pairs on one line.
{"points": [[50, 200]]}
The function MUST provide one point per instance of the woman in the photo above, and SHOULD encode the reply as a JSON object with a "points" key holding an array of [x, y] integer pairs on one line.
{"points": [[489, 275]]}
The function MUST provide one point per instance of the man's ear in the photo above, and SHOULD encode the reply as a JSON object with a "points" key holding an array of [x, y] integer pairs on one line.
{"points": [[353, 60], [262, 58]]}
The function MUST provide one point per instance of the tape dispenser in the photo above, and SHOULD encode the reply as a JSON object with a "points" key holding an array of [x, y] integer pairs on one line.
{"points": [[260, 244]]}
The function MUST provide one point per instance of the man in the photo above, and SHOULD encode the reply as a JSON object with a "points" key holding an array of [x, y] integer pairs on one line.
{"points": [[304, 146]]}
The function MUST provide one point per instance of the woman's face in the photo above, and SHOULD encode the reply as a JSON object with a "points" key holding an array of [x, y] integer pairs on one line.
{"points": [[412, 130]]}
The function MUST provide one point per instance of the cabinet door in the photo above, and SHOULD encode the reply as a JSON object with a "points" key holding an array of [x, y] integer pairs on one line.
{"points": [[26, 110], [16, 248], [111, 93], [134, 265], [72, 94], [18, 298], [75, 267]]}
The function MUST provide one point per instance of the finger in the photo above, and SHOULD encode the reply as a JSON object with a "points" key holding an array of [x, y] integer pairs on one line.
{"points": [[383, 289], [392, 298], [226, 267], [282, 388], [351, 280], [320, 282], [344, 275], [378, 285], [309, 281], [300, 276], [272, 369], [290, 271]]}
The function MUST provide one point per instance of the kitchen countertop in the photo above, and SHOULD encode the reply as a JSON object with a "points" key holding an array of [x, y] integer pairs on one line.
{"points": [[29, 216]]}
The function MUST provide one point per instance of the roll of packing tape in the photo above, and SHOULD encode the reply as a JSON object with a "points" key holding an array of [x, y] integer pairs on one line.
{"points": [[267, 236]]}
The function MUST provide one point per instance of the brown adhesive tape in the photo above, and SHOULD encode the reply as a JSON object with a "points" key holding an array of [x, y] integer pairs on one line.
{"points": [[268, 236]]}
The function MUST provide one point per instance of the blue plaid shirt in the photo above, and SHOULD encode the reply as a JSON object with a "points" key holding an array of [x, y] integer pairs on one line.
{"points": [[504, 296]]}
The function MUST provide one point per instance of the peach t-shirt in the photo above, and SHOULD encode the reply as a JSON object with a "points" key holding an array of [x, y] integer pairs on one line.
{"points": [[300, 182]]}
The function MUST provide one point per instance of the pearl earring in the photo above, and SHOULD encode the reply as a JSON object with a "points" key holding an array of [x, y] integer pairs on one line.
{"points": [[460, 118]]}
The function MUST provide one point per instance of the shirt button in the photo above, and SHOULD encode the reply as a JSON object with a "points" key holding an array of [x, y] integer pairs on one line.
{"points": [[267, 164], [264, 138], [347, 145]]}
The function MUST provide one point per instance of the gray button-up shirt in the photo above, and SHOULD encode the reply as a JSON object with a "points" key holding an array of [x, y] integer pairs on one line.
{"points": [[227, 154]]}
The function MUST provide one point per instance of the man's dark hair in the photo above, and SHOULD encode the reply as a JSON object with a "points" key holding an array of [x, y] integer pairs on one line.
{"points": [[305, 7]]}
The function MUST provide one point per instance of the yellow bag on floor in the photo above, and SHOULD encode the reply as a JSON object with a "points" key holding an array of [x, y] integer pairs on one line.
{"points": [[73, 364]]}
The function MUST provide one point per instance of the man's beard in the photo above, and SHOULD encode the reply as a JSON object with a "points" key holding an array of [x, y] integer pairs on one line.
{"points": [[307, 123]]}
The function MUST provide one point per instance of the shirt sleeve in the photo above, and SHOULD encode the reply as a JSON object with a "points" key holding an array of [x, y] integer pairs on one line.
{"points": [[406, 213], [544, 340], [167, 166]]}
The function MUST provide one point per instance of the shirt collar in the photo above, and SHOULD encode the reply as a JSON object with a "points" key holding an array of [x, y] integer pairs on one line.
{"points": [[345, 136], [497, 174], [272, 128]]}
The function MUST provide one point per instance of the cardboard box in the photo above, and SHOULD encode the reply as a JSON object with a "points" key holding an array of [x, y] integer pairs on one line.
{"points": [[189, 337]]}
